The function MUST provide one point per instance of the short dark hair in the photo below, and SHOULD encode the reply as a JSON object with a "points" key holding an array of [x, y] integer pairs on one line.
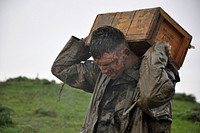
{"points": [[105, 39]]}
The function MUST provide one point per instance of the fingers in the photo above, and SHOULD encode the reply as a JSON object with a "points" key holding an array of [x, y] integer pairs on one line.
{"points": [[85, 41], [168, 49]]}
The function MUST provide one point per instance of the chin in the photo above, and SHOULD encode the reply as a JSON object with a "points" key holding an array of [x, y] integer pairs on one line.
{"points": [[113, 76]]}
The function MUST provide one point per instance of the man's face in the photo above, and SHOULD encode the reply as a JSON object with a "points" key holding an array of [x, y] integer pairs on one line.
{"points": [[111, 65]]}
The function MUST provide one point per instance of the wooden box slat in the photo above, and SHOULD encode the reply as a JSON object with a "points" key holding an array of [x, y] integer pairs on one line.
{"points": [[144, 27]]}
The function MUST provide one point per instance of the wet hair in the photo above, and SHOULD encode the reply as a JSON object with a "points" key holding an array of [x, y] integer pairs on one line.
{"points": [[105, 39]]}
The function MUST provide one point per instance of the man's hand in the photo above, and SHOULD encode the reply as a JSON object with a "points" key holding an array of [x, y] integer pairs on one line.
{"points": [[85, 40], [168, 49]]}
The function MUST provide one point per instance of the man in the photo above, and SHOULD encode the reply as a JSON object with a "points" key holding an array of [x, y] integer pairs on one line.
{"points": [[121, 102]]}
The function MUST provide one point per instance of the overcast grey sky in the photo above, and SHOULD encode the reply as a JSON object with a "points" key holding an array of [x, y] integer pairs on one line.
{"points": [[32, 33]]}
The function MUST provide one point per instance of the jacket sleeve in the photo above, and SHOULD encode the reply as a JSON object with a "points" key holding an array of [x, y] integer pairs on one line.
{"points": [[73, 67], [157, 80]]}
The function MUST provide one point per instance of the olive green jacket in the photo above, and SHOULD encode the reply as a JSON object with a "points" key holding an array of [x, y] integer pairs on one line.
{"points": [[147, 104]]}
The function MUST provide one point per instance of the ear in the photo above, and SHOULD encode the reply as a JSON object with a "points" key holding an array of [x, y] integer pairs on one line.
{"points": [[125, 51]]}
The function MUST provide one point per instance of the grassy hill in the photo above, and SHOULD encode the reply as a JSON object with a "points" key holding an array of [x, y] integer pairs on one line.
{"points": [[32, 106]]}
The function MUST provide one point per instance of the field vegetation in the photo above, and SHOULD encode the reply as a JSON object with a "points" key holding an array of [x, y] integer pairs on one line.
{"points": [[37, 106]]}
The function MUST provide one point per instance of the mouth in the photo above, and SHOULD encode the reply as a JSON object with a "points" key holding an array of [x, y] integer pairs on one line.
{"points": [[113, 74]]}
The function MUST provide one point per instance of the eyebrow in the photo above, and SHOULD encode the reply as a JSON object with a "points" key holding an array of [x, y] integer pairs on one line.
{"points": [[107, 64]]}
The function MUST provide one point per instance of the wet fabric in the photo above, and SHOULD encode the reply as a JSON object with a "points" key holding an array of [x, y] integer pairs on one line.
{"points": [[155, 87], [115, 105]]}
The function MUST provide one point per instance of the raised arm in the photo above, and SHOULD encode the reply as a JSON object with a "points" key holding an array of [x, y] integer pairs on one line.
{"points": [[157, 80], [73, 67]]}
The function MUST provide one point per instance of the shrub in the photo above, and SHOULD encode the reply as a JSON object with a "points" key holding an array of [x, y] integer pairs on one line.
{"points": [[192, 115], [184, 97], [47, 82], [5, 116], [18, 79], [22, 79]]}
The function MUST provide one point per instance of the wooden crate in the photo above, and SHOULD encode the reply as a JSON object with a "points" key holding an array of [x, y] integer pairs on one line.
{"points": [[144, 27]]}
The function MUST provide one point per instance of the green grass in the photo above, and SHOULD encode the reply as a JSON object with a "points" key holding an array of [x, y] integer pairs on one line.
{"points": [[180, 124], [35, 108]]}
